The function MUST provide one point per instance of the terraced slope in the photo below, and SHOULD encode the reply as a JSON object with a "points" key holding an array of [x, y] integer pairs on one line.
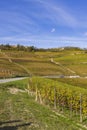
{"points": [[21, 63]]}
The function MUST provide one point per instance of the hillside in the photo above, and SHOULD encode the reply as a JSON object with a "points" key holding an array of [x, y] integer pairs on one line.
{"points": [[54, 95], [68, 62], [20, 111]]}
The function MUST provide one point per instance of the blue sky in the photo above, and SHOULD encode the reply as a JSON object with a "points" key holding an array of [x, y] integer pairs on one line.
{"points": [[44, 23]]}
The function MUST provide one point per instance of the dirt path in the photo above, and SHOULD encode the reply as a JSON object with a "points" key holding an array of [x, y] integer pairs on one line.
{"points": [[21, 66], [6, 56], [62, 66], [11, 79]]}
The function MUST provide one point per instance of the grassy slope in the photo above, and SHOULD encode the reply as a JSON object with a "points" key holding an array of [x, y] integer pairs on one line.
{"points": [[21, 112], [76, 62], [36, 63], [39, 63]]}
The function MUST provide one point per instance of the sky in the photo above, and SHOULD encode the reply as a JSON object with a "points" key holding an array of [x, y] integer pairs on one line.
{"points": [[44, 23]]}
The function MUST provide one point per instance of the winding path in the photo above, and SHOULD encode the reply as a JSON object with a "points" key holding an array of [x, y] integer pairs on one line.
{"points": [[62, 66], [11, 79]]}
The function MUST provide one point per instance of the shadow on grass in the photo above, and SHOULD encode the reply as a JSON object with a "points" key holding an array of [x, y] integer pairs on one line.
{"points": [[13, 127]]}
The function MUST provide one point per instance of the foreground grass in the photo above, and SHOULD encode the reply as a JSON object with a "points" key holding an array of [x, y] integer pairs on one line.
{"points": [[19, 111]]}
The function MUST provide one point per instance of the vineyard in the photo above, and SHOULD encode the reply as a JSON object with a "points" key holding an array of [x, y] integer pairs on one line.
{"points": [[14, 63], [63, 97], [20, 111], [56, 80], [8, 69]]}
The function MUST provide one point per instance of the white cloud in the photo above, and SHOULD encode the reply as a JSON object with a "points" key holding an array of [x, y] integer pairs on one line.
{"points": [[17, 23], [58, 14], [53, 30], [85, 33]]}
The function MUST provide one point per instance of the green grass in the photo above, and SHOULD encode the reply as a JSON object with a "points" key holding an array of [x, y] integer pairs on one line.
{"points": [[21, 112], [72, 58]]}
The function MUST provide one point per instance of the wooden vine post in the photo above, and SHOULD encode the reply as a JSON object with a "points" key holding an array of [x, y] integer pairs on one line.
{"points": [[36, 99], [71, 107], [81, 108], [40, 98], [28, 88], [55, 99]]}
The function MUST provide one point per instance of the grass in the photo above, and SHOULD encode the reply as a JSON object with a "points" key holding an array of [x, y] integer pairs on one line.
{"points": [[19, 111]]}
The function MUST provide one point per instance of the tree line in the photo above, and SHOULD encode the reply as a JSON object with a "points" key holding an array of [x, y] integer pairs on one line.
{"points": [[19, 47]]}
